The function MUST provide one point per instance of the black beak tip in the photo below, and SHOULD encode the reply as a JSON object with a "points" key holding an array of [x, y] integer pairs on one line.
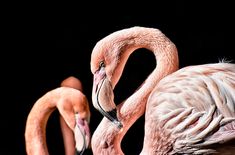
{"points": [[118, 123], [112, 116], [77, 152], [83, 152]]}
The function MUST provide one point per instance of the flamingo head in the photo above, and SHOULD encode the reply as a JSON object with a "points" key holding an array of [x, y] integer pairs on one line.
{"points": [[81, 128], [108, 59], [82, 133]]}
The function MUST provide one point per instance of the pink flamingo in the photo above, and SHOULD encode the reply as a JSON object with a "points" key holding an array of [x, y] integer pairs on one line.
{"points": [[186, 110], [73, 106]]}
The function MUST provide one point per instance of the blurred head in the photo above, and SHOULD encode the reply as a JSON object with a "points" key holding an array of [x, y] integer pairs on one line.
{"points": [[72, 82]]}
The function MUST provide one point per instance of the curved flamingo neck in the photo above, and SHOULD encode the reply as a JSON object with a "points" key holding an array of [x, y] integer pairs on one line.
{"points": [[132, 108], [35, 132], [167, 62]]}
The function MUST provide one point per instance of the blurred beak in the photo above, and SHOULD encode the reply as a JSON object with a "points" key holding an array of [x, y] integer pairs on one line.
{"points": [[82, 134], [102, 97]]}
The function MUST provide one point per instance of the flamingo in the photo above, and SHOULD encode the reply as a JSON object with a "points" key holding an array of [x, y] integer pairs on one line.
{"points": [[186, 110], [73, 107]]}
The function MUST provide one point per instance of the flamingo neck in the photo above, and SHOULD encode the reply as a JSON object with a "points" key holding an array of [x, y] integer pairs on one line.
{"points": [[35, 133], [107, 138], [134, 107]]}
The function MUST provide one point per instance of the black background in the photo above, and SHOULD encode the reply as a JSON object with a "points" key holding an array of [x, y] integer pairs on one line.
{"points": [[44, 43]]}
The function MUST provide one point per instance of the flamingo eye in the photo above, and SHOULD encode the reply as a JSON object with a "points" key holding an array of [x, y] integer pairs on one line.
{"points": [[101, 64]]}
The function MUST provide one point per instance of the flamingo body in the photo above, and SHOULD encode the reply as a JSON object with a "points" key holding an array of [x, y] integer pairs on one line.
{"points": [[191, 109], [186, 111]]}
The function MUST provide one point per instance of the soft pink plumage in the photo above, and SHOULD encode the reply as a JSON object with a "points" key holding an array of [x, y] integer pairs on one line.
{"points": [[191, 109], [187, 109], [74, 110]]}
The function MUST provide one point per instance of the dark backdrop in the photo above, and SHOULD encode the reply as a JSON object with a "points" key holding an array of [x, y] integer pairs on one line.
{"points": [[45, 43]]}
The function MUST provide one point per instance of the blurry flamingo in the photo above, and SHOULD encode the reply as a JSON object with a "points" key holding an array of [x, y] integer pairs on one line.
{"points": [[187, 111], [73, 106]]}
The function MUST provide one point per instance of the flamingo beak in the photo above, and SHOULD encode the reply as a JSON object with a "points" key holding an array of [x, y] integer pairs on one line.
{"points": [[82, 135], [102, 97]]}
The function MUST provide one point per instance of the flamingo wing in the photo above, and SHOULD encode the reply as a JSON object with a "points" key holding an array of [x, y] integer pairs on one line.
{"points": [[196, 106]]}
